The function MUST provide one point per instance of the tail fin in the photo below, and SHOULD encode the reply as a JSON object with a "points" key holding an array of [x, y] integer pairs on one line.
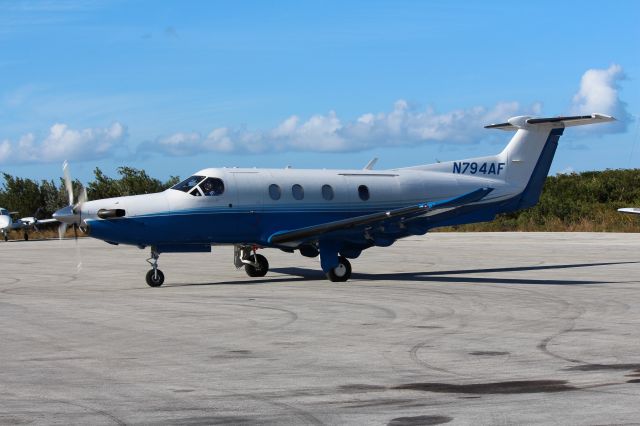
{"points": [[529, 154], [524, 163]]}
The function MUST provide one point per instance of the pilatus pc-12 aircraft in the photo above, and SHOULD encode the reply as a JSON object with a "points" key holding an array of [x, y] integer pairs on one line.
{"points": [[334, 214]]}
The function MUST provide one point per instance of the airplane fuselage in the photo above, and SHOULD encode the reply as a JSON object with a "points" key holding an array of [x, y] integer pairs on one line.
{"points": [[255, 203]]}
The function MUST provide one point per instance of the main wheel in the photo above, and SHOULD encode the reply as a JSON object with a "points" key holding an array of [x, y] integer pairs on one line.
{"points": [[155, 278], [6, 237], [340, 273], [26, 236], [260, 270]]}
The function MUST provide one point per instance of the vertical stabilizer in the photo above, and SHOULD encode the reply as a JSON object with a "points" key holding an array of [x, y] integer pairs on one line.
{"points": [[529, 154]]}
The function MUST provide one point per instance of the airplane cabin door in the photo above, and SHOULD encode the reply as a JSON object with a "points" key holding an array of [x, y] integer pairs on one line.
{"points": [[250, 192]]}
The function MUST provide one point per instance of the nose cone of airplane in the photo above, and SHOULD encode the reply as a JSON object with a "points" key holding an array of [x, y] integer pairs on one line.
{"points": [[67, 215]]}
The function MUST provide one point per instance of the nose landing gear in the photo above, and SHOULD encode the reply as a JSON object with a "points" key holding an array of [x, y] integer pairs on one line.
{"points": [[255, 265], [154, 277]]}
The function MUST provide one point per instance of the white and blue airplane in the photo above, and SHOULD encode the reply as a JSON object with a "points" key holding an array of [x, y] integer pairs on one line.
{"points": [[334, 214], [25, 224]]}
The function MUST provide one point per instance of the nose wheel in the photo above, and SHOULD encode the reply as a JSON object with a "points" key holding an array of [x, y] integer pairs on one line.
{"points": [[259, 266], [155, 277], [255, 265]]}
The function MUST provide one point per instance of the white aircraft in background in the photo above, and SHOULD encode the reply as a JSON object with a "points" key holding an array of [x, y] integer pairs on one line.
{"points": [[335, 214], [631, 210], [25, 224]]}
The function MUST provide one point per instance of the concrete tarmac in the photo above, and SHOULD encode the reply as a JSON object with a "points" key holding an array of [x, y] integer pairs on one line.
{"points": [[477, 328]]}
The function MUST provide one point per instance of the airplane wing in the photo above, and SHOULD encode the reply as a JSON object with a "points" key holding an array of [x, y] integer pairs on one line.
{"points": [[310, 232], [30, 222], [632, 210], [46, 221]]}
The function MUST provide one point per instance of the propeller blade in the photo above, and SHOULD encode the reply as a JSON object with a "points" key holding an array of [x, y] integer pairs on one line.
{"points": [[67, 181], [62, 229], [82, 198], [78, 255]]}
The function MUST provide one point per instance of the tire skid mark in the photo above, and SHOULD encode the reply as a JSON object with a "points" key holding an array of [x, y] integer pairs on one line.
{"points": [[441, 333], [104, 413], [572, 318], [84, 407], [297, 412], [12, 285], [293, 316], [389, 313], [413, 352]]}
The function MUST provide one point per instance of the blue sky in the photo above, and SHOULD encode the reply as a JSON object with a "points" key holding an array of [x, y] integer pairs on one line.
{"points": [[173, 87]]}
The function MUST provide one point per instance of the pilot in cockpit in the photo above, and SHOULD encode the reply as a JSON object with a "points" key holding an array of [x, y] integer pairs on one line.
{"points": [[212, 186]]}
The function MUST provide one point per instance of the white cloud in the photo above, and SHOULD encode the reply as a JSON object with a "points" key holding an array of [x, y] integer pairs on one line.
{"points": [[63, 143], [600, 92], [404, 125], [5, 151], [566, 171]]}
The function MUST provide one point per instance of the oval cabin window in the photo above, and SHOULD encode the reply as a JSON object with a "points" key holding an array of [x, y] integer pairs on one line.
{"points": [[274, 192], [327, 192], [363, 192], [297, 191]]}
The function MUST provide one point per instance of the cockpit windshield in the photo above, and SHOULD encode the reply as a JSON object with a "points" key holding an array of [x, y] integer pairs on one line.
{"points": [[212, 186], [188, 184], [4, 212], [199, 186]]}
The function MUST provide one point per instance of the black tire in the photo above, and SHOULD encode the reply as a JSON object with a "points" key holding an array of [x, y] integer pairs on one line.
{"points": [[261, 269], [26, 236], [340, 273], [6, 237], [155, 279]]}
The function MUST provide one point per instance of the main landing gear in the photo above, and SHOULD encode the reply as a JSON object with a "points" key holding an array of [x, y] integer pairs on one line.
{"points": [[337, 268], [154, 277], [340, 273], [255, 265]]}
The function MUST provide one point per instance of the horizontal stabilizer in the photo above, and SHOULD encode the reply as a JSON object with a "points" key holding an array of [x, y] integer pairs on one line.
{"points": [[523, 122]]}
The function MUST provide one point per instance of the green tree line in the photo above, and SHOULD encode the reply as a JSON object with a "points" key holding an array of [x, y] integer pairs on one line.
{"points": [[585, 201], [27, 196]]}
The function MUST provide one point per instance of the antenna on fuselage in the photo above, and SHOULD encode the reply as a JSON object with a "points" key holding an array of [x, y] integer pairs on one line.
{"points": [[370, 164]]}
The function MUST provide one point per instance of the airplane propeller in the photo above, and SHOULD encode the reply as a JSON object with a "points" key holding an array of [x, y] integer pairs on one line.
{"points": [[71, 214]]}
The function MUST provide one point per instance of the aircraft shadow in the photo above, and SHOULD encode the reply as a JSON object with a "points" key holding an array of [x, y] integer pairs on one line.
{"points": [[441, 276], [296, 274], [252, 281]]}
